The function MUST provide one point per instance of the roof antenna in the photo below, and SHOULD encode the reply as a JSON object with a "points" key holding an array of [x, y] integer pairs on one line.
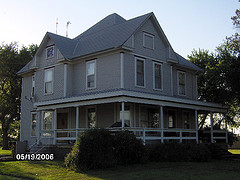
{"points": [[56, 25], [67, 28]]}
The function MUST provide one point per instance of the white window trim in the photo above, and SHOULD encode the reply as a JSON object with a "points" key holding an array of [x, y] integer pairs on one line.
{"points": [[89, 107], [52, 122], [150, 35], [154, 76], [31, 124], [144, 71], [185, 83], [95, 77], [52, 46], [50, 69]]}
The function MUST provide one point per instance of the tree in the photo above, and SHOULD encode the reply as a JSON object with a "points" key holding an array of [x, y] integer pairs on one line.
{"points": [[11, 61], [219, 81]]}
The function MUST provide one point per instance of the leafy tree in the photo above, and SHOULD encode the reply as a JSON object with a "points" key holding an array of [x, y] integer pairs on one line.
{"points": [[219, 81], [11, 61]]}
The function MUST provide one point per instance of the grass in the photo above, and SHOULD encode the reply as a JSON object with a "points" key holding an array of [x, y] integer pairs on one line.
{"points": [[234, 151], [174, 170], [5, 152]]}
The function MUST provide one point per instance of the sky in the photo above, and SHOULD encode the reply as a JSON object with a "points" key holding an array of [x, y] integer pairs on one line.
{"points": [[188, 24]]}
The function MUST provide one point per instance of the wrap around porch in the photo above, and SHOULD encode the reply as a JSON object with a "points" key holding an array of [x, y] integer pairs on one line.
{"points": [[148, 122]]}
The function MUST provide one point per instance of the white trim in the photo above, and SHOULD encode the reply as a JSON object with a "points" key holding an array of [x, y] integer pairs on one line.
{"points": [[50, 69], [147, 57], [65, 76], [122, 68], [149, 35], [138, 97], [185, 89], [154, 87], [196, 125], [95, 72], [123, 114], [33, 113], [144, 72]]}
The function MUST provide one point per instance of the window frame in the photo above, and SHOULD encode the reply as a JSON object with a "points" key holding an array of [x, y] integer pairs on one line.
{"points": [[33, 113], [144, 72], [50, 47], [154, 76], [178, 85], [144, 41], [52, 81], [95, 72]]}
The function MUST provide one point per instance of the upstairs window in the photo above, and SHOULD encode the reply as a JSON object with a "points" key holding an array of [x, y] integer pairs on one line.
{"points": [[49, 52], [91, 74], [139, 72], [181, 83], [157, 76], [48, 81], [148, 40], [33, 86]]}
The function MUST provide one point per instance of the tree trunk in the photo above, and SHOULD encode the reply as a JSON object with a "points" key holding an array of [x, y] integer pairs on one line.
{"points": [[5, 139]]}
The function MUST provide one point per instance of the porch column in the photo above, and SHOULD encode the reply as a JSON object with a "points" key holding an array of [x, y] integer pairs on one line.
{"points": [[226, 131], [161, 119], [77, 121], [196, 123], [123, 112], [54, 126], [211, 123]]}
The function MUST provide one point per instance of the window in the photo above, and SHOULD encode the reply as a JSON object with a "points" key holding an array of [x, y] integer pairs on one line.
{"points": [[33, 124], [48, 81], [33, 86], [91, 118], [91, 74], [47, 120], [186, 120], [139, 76], [171, 118], [181, 83], [50, 52], [157, 76], [127, 115], [148, 40]]}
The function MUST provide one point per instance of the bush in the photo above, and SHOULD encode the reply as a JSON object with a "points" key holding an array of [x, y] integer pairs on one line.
{"points": [[92, 150], [179, 152], [128, 149], [97, 148]]}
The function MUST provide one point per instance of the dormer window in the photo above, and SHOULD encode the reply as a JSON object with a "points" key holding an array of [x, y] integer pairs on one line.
{"points": [[50, 52], [148, 40]]}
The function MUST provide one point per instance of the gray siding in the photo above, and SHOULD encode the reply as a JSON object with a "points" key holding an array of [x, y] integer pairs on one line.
{"points": [[26, 110]]}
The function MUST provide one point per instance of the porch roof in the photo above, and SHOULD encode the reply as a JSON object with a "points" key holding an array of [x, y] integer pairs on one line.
{"points": [[125, 95]]}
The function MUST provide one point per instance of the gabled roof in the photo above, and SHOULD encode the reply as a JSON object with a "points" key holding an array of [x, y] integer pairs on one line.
{"points": [[187, 64], [109, 33]]}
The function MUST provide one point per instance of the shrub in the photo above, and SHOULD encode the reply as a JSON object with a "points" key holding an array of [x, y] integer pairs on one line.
{"points": [[128, 149], [97, 148], [199, 153], [92, 150]]}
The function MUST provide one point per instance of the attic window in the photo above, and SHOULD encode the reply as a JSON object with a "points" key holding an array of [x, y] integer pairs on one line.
{"points": [[49, 52], [148, 40]]}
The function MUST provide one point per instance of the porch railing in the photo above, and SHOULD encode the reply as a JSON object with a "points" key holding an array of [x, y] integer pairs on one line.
{"points": [[146, 134]]}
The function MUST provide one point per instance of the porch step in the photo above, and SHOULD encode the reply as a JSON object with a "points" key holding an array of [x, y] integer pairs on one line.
{"points": [[42, 149]]}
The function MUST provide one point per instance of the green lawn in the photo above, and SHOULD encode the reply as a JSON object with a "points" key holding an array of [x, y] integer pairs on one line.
{"points": [[5, 152], [179, 170], [234, 151]]}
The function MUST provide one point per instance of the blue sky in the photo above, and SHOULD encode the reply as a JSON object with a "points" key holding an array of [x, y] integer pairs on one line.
{"points": [[188, 24]]}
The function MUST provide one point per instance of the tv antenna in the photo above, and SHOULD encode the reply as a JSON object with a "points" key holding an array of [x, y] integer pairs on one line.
{"points": [[67, 28]]}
